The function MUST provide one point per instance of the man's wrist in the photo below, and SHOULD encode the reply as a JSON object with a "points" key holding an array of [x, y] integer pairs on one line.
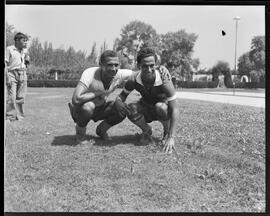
{"points": [[171, 136], [119, 99]]}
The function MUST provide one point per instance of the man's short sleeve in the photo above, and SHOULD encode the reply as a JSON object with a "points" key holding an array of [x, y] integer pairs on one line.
{"points": [[88, 76], [168, 86]]}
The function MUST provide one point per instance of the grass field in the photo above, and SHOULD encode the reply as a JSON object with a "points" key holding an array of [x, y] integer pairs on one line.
{"points": [[219, 164]]}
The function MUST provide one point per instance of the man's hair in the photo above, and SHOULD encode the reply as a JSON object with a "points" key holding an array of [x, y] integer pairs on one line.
{"points": [[146, 52], [19, 36], [106, 54]]}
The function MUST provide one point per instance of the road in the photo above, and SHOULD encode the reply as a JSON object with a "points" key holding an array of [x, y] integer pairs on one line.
{"points": [[255, 99]]}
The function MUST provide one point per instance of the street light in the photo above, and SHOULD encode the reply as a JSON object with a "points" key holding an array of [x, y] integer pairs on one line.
{"points": [[236, 25]]}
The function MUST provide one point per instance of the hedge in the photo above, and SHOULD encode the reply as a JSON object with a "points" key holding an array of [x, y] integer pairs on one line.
{"points": [[249, 85], [214, 84], [195, 84], [177, 84], [52, 83]]}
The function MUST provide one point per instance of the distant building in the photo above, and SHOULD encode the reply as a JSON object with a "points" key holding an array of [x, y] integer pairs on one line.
{"points": [[202, 77]]}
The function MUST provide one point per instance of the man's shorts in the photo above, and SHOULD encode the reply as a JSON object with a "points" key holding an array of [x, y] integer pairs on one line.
{"points": [[148, 110], [101, 112]]}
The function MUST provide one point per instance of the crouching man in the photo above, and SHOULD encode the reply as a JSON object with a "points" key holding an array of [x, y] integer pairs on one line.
{"points": [[89, 98], [158, 99]]}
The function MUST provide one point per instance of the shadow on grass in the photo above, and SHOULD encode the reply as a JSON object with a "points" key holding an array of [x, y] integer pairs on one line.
{"points": [[116, 140], [69, 140], [125, 139]]}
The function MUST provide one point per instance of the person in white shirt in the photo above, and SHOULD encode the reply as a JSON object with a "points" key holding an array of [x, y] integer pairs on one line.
{"points": [[16, 61], [89, 100]]}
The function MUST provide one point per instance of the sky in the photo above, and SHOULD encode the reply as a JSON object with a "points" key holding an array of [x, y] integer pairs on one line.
{"points": [[80, 26]]}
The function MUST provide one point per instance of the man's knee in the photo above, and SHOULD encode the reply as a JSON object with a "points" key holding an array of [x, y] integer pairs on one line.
{"points": [[84, 113], [161, 110], [88, 108]]}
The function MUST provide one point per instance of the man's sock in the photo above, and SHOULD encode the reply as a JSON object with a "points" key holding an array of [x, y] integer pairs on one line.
{"points": [[80, 130], [141, 123], [104, 126]]}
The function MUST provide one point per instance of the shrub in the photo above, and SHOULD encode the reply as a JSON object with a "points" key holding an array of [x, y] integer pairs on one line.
{"points": [[255, 85], [61, 83], [255, 76], [249, 85], [35, 83], [52, 83], [195, 84]]}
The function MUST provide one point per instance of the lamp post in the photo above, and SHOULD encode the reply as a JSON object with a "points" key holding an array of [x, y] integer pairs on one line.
{"points": [[236, 25]]}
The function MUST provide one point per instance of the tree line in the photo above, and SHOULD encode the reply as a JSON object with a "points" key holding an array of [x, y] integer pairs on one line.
{"points": [[175, 50]]}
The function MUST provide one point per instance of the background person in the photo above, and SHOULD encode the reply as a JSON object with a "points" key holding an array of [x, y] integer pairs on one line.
{"points": [[158, 101], [16, 62], [89, 98]]}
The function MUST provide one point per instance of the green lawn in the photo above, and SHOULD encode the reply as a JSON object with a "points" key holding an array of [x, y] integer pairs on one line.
{"points": [[219, 165]]}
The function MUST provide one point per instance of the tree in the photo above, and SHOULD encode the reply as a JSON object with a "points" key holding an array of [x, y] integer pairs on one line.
{"points": [[177, 51], [103, 47], [254, 76], [257, 52], [36, 52], [135, 35], [223, 68], [92, 58], [47, 54], [245, 66], [253, 61], [174, 48], [10, 33], [195, 63]]}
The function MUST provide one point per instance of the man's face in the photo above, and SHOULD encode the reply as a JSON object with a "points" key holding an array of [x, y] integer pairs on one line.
{"points": [[110, 67], [148, 69], [22, 43]]}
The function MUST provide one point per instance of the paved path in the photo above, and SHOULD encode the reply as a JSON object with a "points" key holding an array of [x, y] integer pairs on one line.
{"points": [[240, 98]]}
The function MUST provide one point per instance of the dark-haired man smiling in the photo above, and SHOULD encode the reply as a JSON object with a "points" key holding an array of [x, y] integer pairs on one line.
{"points": [[158, 101], [89, 98]]}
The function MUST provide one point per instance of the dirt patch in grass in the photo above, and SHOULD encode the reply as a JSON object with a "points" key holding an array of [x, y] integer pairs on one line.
{"points": [[219, 165]]}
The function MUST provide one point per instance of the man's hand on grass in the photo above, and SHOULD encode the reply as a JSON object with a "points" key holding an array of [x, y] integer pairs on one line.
{"points": [[168, 143]]}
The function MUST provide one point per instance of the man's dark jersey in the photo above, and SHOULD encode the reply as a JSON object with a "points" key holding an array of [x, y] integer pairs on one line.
{"points": [[162, 90]]}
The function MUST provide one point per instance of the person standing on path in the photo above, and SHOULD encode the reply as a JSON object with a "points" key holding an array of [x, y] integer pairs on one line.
{"points": [[16, 61]]}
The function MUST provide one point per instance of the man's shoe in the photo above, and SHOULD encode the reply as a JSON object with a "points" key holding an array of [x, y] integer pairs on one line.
{"points": [[146, 139], [81, 139], [103, 135]]}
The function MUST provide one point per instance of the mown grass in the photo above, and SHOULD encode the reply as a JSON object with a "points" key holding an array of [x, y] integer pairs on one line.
{"points": [[219, 164]]}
